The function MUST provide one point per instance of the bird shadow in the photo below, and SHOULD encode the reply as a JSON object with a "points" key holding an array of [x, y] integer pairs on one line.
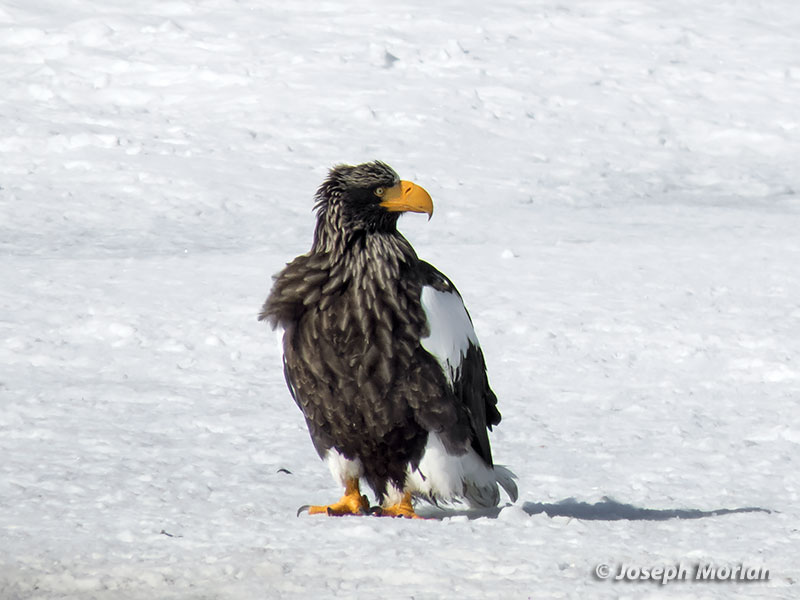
{"points": [[605, 510]]}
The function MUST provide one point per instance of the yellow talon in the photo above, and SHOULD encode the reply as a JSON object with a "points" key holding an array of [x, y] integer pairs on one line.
{"points": [[352, 503], [404, 508]]}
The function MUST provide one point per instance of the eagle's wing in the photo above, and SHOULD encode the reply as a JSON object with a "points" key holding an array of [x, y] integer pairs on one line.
{"points": [[451, 340]]}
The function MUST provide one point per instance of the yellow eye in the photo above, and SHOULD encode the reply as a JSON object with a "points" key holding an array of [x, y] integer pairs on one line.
{"points": [[379, 192]]}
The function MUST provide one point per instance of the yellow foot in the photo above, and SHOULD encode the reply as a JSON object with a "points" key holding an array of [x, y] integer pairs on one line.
{"points": [[352, 503], [401, 509]]}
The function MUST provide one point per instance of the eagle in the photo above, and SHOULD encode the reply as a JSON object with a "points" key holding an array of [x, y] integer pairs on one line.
{"points": [[381, 357]]}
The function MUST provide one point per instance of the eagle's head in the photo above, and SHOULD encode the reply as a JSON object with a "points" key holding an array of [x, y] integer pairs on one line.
{"points": [[365, 198]]}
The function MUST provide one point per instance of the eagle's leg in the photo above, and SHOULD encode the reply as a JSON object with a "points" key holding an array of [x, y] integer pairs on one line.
{"points": [[352, 503], [404, 508]]}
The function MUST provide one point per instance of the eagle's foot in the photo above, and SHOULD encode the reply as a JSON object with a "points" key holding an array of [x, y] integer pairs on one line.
{"points": [[352, 503], [404, 508]]}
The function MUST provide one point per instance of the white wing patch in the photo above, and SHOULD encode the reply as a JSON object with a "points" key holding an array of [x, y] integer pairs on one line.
{"points": [[451, 330]]}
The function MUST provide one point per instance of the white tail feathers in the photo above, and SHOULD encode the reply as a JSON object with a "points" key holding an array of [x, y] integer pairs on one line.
{"points": [[442, 477], [505, 477]]}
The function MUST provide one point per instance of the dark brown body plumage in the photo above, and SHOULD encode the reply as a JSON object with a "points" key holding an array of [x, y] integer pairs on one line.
{"points": [[353, 360]]}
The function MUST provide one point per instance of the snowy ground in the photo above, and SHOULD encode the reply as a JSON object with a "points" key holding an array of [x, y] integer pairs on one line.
{"points": [[616, 197]]}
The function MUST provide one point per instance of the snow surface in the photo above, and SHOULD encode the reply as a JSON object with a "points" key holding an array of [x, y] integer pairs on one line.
{"points": [[616, 199]]}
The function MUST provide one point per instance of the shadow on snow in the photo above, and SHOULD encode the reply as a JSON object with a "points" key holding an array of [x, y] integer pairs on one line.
{"points": [[611, 510], [605, 510]]}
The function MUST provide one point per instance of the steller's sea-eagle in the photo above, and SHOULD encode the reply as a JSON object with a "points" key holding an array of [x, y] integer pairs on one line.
{"points": [[380, 354]]}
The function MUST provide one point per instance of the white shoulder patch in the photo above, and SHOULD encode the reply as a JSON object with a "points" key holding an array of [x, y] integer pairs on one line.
{"points": [[451, 330]]}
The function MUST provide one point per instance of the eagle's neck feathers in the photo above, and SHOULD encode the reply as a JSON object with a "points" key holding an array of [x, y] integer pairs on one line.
{"points": [[340, 258]]}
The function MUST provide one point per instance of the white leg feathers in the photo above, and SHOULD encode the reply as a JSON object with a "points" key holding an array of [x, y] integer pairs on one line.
{"points": [[441, 477], [343, 468]]}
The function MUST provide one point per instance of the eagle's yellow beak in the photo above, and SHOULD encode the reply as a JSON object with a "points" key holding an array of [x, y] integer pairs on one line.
{"points": [[407, 196]]}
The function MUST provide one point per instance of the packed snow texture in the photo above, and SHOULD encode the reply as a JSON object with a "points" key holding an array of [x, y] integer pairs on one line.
{"points": [[616, 198]]}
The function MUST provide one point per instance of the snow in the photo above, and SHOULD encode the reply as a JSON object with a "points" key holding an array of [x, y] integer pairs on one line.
{"points": [[615, 187]]}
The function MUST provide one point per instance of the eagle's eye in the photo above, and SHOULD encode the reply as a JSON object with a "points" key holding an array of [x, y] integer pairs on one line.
{"points": [[379, 192]]}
